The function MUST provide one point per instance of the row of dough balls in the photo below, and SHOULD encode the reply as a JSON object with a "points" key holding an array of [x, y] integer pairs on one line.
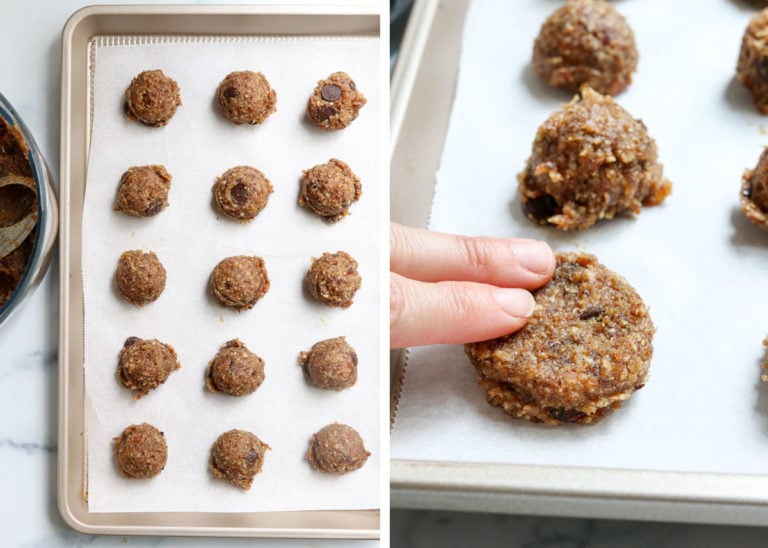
{"points": [[244, 97], [239, 282], [241, 192], [141, 452], [145, 364]]}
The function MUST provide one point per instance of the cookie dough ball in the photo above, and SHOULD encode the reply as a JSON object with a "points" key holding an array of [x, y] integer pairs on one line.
{"points": [[246, 97], [587, 347], [143, 191], [241, 193], [586, 42], [330, 189], [337, 449], [331, 364], [238, 282], [754, 192], [152, 98], [141, 451], [237, 456], [333, 279], [752, 67], [140, 277], [235, 370], [335, 102], [758, 3], [590, 161], [143, 365]]}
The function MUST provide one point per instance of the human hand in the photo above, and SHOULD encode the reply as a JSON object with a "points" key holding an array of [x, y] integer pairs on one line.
{"points": [[457, 289]]}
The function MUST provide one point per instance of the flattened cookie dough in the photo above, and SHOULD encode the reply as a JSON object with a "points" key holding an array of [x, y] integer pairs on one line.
{"points": [[237, 456], [152, 98], [587, 347], [143, 365], [140, 277], [335, 102], [143, 191], [235, 370], [238, 282], [590, 161], [754, 192], [330, 189], [337, 449], [246, 97], [141, 451], [333, 279], [331, 364], [586, 42], [241, 193]]}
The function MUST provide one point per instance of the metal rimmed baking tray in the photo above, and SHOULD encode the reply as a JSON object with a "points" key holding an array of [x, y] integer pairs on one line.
{"points": [[79, 33], [422, 99]]}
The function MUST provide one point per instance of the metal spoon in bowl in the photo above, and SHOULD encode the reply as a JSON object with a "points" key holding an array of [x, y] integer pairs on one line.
{"points": [[18, 211]]}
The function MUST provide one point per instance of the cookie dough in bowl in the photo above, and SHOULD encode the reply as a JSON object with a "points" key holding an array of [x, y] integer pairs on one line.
{"points": [[241, 193], [245, 97], [335, 103], [237, 456], [590, 161], [586, 349], [152, 98], [141, 451], [239, 282], [586, 42]]}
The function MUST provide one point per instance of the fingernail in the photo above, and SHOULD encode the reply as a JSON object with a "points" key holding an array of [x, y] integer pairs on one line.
{"points": [[515, 302], [533, 256]]}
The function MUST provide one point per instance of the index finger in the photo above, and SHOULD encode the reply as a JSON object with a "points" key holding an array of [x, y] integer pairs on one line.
{"points": [[504, 262]]}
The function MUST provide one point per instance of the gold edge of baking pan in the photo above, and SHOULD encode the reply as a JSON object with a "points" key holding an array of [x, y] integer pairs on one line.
{"points": [[423, 87], [82, 27]]}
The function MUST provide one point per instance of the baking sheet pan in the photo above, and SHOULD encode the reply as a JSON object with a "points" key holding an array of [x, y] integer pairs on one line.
{"points": [[540, 489], [78, 34]]}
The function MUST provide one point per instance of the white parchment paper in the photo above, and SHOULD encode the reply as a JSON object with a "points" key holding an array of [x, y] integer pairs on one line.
{"points": [[197, 145], [696, 260]]}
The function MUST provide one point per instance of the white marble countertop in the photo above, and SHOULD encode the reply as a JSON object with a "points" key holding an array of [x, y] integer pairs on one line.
{"points": [[30, 68]]}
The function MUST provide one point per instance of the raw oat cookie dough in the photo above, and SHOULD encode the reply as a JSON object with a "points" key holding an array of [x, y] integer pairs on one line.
{"points": [[587, 347], [333, 279], [586, 42], [143, 191], [335, 102], [337, 449], [140, 277], [331, 364], [238, 282], [152, 98], [237, 456], [143, 365], [752, 67], [754, 192], [246, 97], [330, 189], [241, 193], [235, 370], [141, 451], [590, 161]]}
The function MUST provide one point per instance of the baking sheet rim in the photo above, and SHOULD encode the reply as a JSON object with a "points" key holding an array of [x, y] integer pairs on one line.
{"points": [[125, 523]]}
